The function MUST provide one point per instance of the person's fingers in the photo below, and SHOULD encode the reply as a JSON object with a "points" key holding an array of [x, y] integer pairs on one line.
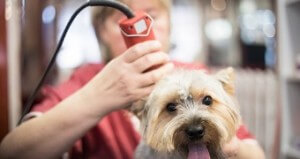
{"points": [[141, 49], [149, 60], [151, 77], [231, 148], [143, 92]]}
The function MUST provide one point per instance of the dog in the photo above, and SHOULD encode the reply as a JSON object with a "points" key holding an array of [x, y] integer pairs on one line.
{"points": [[189, 114]]}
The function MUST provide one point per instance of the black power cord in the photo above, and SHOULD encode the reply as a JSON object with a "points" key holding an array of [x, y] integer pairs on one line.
{"points": [[106, 3]]}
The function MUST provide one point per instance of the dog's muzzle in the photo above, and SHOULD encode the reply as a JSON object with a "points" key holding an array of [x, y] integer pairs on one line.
{"points": [[195, 132]]}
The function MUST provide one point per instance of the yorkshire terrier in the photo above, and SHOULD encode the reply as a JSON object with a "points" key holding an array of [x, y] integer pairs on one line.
{"points": [[189, 114]]}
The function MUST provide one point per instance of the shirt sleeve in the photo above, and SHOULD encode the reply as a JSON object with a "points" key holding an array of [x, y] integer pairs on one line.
{"points": [[243, 133], [52, 95]]}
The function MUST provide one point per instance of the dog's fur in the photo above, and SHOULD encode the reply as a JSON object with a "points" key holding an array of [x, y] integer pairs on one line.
{"points": [[163, 131]]}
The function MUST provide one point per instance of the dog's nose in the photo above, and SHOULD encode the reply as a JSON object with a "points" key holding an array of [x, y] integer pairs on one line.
{"points": [[195, 132]]}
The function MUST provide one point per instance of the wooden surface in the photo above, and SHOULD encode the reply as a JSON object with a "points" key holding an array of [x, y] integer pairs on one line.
{"points": [[3, 74]]}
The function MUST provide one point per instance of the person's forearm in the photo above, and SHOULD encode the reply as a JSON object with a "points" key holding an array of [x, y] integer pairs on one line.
{"points": [[52, 134], [123, 81], [249, 149]]}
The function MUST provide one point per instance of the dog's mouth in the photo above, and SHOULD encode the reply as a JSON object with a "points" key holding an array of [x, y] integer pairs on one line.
{"points": [[198, 151]]}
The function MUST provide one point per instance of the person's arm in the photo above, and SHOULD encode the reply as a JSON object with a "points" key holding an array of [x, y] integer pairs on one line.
{"points": [[249, 149], [51, 134], [243, 149], [120, 83]]}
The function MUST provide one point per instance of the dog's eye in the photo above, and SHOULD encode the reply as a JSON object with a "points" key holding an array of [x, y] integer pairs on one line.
{"points": [[171, 107], [207, 100]]}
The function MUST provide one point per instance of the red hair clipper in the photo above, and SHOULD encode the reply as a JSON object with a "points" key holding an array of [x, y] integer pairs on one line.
{"points": [[137, 29]]}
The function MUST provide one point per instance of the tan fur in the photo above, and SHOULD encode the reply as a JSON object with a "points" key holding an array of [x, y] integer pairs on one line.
{"points": [[163, 131], [227, 78]]}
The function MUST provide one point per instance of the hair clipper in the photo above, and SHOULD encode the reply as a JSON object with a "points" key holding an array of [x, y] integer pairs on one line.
{"points": [[137, 29]]}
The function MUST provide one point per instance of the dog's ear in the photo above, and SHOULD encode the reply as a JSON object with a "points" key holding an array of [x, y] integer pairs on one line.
{"points": [[138, 108], [227, 78]]}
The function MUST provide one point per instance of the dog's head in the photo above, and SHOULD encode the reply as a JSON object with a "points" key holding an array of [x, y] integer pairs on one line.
{"points": [[190, 111]]}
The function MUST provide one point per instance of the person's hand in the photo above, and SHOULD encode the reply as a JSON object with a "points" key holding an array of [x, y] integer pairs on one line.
{"points": [[231, 148], [124, 80]]}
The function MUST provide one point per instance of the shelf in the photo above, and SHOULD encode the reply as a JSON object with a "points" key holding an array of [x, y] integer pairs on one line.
{"points": [[294, 78], [291, 2], [288, 42], [292, 152]]}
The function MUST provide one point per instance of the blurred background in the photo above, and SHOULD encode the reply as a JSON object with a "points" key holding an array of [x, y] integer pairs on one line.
{"points": [[260, 38]]}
